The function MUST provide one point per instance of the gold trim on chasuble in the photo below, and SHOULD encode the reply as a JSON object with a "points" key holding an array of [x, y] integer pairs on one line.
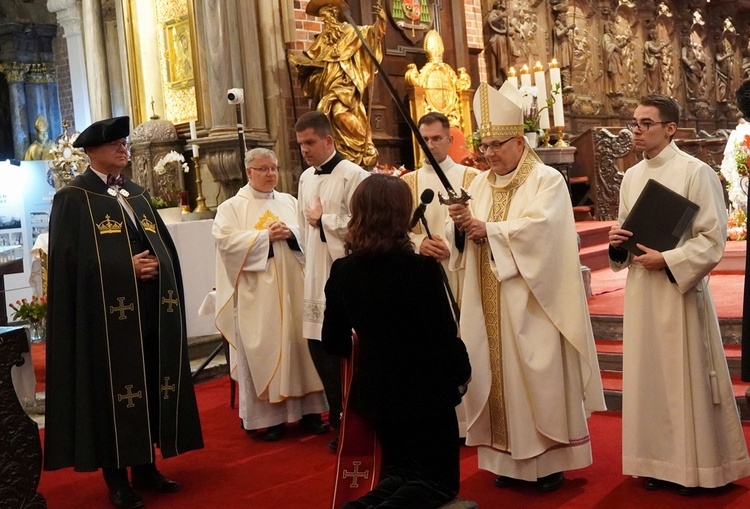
{"points": [[491, 302]]}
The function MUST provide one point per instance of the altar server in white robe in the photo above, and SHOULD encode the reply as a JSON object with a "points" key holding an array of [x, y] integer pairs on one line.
{"points": [[325, 189], [524, 315], [679, 418], [259, 280], [435, 128]]}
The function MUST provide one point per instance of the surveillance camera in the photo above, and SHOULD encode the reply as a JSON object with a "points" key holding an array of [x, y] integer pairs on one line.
{"points": [[235, 96]]}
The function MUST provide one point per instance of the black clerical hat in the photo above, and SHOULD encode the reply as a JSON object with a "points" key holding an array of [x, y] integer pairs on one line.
{"points": [[103, 131]]}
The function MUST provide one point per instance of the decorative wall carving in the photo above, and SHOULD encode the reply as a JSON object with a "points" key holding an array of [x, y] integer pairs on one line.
{"points": [[607, 149]]}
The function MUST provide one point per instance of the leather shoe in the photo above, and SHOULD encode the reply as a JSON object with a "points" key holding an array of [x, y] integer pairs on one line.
{"points": [[503, 481], [549, 482], [273, 433], [687, 491], [653, 484], [334, 444], [312, 423], [125, 498], [155, 482]]}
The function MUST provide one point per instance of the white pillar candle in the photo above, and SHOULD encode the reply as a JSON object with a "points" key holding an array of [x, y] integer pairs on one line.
{"points": [[193, 133], [541, 95], [525, 76], [512, 77], [196, 151], [556, 83]]}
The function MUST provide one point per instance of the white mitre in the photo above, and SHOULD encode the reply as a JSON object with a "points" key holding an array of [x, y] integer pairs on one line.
{"points": [[498, 112]]}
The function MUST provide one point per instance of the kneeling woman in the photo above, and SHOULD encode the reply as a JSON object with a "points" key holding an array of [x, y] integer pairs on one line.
{"points": [[412, 365]]}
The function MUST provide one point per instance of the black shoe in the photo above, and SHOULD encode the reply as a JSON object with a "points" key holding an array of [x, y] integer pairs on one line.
{"points": [[125, 498], [334, 444], [550, 482], [687, 491], [312, 423], [503, 481], [273, 433], [653, 484], [155, 482]]}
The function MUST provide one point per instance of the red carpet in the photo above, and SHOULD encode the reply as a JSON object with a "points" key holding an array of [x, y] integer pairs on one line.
{"points": [[235, 470]]}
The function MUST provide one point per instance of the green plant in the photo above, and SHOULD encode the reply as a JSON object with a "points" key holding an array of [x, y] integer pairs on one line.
{"points": [[531, 118], [32, 310]]}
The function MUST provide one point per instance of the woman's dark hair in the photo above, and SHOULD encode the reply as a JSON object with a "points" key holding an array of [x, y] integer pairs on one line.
{"points": [[381, 209]]}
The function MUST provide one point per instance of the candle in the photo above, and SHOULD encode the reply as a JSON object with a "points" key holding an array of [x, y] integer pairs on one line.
{"points": [[556, 84], [184, 198], [541, 95], [512, 77], [196, 151], [193, 133], [525, 76]]}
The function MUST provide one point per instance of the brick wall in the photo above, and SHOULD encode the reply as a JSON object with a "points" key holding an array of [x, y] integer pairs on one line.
{"points": [[62, 71], [474, 33]]}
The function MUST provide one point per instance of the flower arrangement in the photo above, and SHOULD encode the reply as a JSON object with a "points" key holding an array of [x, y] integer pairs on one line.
{"points": [[531, 112], [166, 180], [734, 169], [32, 310]]}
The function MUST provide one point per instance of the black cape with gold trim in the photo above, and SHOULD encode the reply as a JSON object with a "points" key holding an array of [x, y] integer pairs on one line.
{"points": [[118, 374]]}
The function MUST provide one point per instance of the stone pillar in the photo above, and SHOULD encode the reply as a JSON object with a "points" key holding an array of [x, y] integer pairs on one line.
{"points": [[276, 84], [53, 103], [36, 95], [69, 17], [96, 60], [16, 74]]}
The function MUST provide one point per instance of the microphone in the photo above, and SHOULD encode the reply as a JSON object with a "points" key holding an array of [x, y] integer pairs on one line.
{"points": [[426, 198]]}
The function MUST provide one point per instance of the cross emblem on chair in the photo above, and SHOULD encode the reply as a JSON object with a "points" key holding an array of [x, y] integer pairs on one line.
{"points": [[355, 474]]}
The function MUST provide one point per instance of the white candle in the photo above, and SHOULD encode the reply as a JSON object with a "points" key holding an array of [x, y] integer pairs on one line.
{"points": [[512, 77], [525, 76], [541, 95], [196, 151], [555, 80], [193, 133]]}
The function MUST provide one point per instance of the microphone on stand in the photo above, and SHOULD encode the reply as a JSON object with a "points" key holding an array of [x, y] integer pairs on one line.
{"points": [[425, 199]]}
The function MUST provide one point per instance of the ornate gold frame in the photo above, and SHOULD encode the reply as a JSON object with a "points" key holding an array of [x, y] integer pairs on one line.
{"points": [[179, 53]]}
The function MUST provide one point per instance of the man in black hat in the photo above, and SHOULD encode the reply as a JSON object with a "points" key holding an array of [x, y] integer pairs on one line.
{"points": [[118, 374]]}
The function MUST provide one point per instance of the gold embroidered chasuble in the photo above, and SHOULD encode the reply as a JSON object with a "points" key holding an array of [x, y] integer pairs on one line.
{"points": [[526, 327]]}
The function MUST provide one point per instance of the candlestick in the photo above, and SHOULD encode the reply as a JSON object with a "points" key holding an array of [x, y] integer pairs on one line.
{"points": [[556, 83], [560, 141], [200, 200], [544, 139], [193, 132], [541, 96], [512, 77], [184, 202]]}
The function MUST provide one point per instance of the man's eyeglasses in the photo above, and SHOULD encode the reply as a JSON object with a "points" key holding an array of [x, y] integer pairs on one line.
{"points": [[118, 144], [265, 169], [495, 145], [644, 126]]}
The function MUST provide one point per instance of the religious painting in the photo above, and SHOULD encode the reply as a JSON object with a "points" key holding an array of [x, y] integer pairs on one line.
{"points": [[179, 53]]}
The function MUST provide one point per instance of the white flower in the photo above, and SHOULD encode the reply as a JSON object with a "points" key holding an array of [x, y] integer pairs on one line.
{"points": [[171, 158]]}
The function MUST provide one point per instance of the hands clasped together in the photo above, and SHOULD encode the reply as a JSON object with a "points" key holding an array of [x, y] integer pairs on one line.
{"points": [[146, 266], [278, 230]]}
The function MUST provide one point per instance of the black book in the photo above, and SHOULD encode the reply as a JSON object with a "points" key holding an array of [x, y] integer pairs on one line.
{"points": [[658, 218]]}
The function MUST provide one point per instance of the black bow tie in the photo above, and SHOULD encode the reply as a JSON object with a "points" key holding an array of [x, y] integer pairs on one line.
{"points": [[119, 180]]}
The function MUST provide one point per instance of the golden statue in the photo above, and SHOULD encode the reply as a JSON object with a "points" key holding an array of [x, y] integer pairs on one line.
{"points": [[437, 87], [335, 72], [39, 148]]}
